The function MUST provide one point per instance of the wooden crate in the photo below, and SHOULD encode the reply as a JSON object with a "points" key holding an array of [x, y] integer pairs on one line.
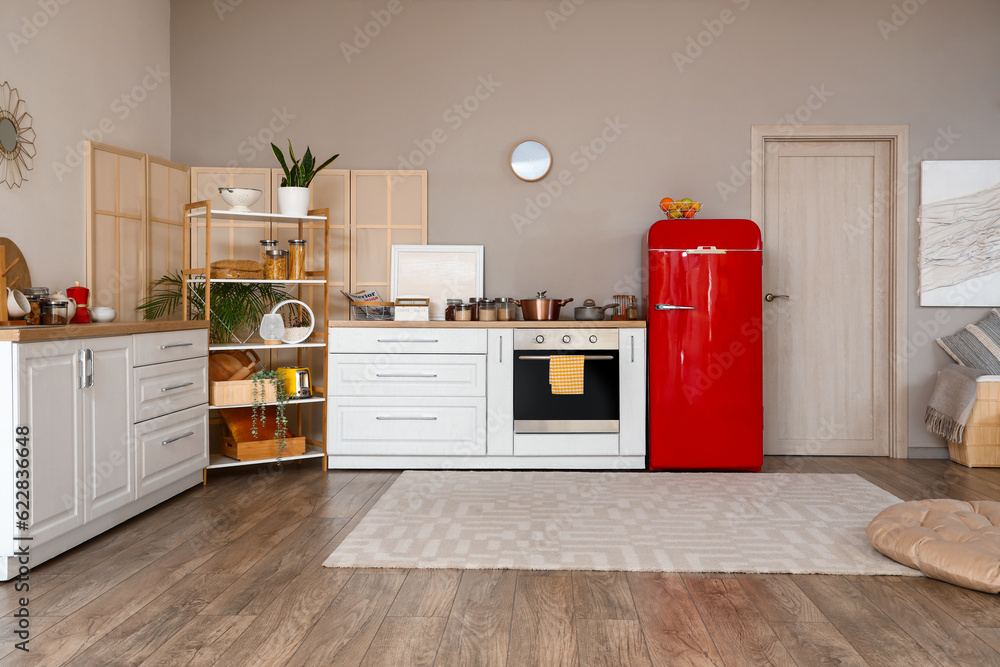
{"points": [[261, 449], [239, 392], [981, 446]]}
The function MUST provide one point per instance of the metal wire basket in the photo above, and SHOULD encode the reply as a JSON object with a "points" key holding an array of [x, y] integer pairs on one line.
{"points": [[372, 310]]}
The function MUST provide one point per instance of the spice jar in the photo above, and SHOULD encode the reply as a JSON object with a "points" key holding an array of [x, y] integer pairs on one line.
{"points": [[297, 259], [276, 265], [474, 305], [265, 245], [54, 311], [449, 310], [505, 309], [487, 311], [463, 312], [34, 295]]}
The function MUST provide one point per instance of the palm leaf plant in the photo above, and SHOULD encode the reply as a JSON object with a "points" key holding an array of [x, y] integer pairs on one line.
{"points": [[300, 175], [237, 307]]}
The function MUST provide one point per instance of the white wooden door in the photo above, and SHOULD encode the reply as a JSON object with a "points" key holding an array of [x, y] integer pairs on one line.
{"points": [[826, 346], [49, 394], [110, 468]]}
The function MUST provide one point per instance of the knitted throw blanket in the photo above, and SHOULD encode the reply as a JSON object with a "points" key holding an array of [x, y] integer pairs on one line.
{"points": [[952, 401]]}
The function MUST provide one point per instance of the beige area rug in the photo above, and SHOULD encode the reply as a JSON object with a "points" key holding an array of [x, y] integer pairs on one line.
{"points": [[657, 522]]}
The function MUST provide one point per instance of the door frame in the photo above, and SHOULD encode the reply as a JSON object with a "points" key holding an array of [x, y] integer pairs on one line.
{"points": [[897, 136]]}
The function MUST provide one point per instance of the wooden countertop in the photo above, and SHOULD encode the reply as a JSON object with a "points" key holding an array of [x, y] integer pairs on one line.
{"points": [[20, 334], [509, 324]]}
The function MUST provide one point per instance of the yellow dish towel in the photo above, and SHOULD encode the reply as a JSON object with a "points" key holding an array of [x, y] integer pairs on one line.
{"points": [[566, 373]]}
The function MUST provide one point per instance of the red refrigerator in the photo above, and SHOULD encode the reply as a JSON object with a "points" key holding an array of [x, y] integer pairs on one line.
{"points": [[704, 326]]}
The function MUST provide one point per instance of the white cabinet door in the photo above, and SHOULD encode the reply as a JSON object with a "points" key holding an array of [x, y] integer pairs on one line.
{"points": [[500, 392], [50, 406], [109, 465], [632, 397]]}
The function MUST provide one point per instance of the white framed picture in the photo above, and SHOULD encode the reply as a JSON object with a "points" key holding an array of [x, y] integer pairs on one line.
{"points": [[438, 272], [959, 233]]}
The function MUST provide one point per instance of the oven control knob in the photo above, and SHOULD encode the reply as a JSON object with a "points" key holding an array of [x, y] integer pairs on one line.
{"points": [[539, 338], [566, 338], [593, 339]]}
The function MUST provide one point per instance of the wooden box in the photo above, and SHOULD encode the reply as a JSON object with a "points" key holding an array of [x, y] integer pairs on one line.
{"points": [[255, 450], [981, 444], [238, 392]]}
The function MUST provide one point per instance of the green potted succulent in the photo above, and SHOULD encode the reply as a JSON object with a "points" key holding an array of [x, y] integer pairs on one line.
{"points": [[293, 195]]}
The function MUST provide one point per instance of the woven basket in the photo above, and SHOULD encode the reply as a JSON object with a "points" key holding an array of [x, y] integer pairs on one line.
{"points": [[981, 446]]}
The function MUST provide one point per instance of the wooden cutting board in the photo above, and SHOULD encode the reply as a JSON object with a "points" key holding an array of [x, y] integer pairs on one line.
{"points": [[19, 275], [232, 365]]}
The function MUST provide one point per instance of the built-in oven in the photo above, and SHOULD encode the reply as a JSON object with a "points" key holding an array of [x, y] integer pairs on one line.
{"points": [[538, 410]]}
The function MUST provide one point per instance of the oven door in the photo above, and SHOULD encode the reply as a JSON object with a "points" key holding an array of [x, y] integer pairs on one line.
{"points": [[538, 410]]}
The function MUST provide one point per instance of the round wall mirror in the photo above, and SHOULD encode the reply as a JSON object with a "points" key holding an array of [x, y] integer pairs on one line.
{"points": [[17, 139], [530, 160]]}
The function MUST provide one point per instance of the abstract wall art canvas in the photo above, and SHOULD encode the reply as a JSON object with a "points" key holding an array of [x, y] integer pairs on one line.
{"points": [[959, 222]]}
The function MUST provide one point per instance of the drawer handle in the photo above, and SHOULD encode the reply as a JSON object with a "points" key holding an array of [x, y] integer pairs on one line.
{"points": [[415, 419], [178, 386], [179, 437], [407, 340], [170, 345], [406, 375]]}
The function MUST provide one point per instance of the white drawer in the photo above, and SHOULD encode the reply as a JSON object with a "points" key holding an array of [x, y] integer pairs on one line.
{"points": [[408, 375], [171, 447], [408, 426], [164, 388], [156, 348], [392, 340]]}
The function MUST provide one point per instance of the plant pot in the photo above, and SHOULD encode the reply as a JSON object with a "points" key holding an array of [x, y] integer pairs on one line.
{"points": [[293, 201]]}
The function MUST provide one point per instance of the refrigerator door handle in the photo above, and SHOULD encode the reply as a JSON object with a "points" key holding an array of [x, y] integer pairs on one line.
{"points": [[668, 306]]}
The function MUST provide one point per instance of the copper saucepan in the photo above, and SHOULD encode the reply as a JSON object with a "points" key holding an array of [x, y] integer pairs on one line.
{"points": [[541, 308]]}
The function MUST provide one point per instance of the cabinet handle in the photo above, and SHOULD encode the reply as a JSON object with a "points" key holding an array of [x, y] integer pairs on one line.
{"points": [[632, 339], [82, 357], [170, 345], [501, 349], [90, 367], [407, 340], [415, 419], [176, 438], [406, 375], [177, 386]]}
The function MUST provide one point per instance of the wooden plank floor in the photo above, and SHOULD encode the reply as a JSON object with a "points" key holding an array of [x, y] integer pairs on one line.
{"points": [[231, 574]]}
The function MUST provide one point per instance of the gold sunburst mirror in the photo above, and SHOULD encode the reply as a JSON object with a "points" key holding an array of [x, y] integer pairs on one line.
{"points": [[17, 139]]}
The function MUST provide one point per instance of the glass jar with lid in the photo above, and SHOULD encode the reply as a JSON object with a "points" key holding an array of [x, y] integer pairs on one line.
{"points": [[34, 295], [474, 305], [297, 259], [449, 310], [53, 311], [463, 312], [487, 310], [265, 245], [276, 265], [506, 309]]}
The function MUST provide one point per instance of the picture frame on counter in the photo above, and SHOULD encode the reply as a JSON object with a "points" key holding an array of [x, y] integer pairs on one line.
{"points": [[438, 272]]}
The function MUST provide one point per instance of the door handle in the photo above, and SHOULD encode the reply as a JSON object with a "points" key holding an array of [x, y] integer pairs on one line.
{"points": [[82, 357], [177, 386], [668, 306], [90, 367], [771, 297], [176, 438]]}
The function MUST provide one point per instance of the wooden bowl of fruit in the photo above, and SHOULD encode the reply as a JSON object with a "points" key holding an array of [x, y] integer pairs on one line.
{"points": [[680, 208]]}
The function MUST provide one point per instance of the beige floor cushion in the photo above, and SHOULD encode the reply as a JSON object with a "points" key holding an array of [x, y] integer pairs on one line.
{"points": [[950, 540]]}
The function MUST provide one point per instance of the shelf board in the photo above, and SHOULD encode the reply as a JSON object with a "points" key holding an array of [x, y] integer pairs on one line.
{"points": [[254, 215], [261, 346], [308, 281], [292, 402], [217, 461]]}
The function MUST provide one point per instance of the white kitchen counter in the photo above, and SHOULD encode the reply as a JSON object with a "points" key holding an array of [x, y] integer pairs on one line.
{"points": [[499, 324]]}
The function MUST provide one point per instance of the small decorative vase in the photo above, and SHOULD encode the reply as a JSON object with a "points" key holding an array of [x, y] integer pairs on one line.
{"points": [[293, 201]]}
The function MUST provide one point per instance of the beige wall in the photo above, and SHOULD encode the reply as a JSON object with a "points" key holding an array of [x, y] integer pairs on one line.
{"points": [[87, 69], [607, 76]]}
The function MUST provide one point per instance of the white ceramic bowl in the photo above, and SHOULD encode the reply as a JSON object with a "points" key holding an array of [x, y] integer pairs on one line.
{"points": [[240, 199], [102, 314]]}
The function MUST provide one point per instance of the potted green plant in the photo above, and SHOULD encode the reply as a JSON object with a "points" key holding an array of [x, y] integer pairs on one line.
{"points": [[237, 308], [293, 195], [258, 391]]}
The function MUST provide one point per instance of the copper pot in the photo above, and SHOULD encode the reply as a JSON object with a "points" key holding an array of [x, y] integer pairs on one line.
{"points": [[541, 308]]}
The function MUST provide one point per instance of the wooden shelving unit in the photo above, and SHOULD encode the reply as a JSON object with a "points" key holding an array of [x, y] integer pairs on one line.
{"points": [[316, 447]]}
